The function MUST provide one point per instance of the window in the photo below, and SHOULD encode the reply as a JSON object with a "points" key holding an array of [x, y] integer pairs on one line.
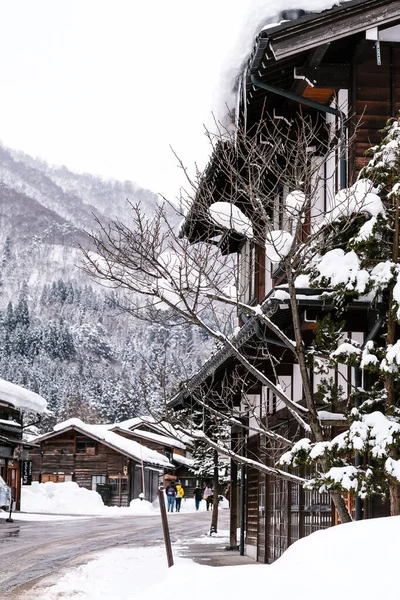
{"points": [[98, 479], [54, 477], [247, 273], [118, 482], [85, 446]]}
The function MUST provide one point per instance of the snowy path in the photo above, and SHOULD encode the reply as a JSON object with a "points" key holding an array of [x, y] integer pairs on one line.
{"points": [[30, 551]]}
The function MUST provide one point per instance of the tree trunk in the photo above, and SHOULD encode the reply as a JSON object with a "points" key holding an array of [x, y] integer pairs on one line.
{"points": [[214, 518], [315, 425], [233, 501], [341, 508], [394, 491]]}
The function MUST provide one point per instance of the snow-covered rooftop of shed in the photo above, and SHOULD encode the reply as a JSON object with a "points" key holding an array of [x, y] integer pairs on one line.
{"points": [[126, 446], [183, 460], [21, 398], [149, 435], [161, 427]]}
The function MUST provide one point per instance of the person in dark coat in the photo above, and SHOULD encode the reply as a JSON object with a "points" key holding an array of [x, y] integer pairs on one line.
{"points": [[198, 496], [171, 493]]}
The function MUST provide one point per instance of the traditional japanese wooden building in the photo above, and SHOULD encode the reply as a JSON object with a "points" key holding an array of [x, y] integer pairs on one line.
{"points": [[119, 462], [18, 408], [341, 68]]}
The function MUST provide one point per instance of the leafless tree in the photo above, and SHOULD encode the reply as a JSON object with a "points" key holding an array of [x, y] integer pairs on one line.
{"points": [[188, 272]]}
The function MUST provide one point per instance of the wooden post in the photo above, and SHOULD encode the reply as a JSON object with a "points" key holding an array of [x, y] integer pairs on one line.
{"points": [[119, 489], [233, 502], [164, 520], [141, 460]]}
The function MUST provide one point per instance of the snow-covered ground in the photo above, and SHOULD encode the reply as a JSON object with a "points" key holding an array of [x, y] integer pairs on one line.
{"points": [[70, 499], [356, 560]]}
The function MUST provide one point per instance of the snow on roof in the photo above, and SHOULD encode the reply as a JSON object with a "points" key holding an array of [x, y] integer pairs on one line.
{"points": [[128, 423], [21, 398], [149, 435], [261, 13], [126, 446], [325, 415], [10, 422], [183, 460], [161, 427]]}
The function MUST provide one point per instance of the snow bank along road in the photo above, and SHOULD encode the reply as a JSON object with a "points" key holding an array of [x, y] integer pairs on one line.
{"points": [[30, 550]]}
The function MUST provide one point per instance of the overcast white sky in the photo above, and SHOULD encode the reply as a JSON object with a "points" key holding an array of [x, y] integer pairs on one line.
{"points": [[105, 86]]}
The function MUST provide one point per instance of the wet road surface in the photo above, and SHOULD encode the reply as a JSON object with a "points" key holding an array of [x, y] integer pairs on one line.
{"points": [[31, 550]]}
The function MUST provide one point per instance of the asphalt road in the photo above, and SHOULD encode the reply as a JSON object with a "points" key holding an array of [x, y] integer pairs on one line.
{"points": [[31, 550]]}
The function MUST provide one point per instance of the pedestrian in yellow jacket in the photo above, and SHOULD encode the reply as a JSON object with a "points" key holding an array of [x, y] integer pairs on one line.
{"points": [[180, 492]]}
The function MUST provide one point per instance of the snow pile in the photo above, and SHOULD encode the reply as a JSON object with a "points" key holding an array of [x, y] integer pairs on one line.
{"points": [[371, 573], [357, 199], [340, 268], [345, 350], [60, 498], [69, 499], [229, 216], [21, 398]]}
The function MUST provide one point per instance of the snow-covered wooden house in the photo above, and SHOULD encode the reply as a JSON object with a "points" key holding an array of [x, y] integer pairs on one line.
{"points": [[18, 408], [337, 69], [120, 460]]}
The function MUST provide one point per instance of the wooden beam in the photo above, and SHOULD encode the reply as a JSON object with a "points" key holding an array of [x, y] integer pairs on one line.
{"points": [[313, 61], [334, 76]]}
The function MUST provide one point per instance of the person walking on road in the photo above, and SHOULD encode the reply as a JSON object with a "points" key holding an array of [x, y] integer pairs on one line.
{"points": [[208, 496], [171, 494], [198, 496], [180, 492]]}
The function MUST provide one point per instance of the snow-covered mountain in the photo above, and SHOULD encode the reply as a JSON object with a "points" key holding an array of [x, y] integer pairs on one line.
{"points": [[59, 332]]}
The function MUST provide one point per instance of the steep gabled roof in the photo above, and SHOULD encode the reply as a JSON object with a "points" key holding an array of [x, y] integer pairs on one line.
{"points": [[162, 428], [101, 433]]}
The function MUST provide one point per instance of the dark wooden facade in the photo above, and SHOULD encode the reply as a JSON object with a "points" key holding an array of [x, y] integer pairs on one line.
{"points": [[13, 449], [75, 456]]}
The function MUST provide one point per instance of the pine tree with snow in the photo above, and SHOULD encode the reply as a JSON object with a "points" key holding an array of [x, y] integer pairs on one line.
{"points": [[363, 264]]}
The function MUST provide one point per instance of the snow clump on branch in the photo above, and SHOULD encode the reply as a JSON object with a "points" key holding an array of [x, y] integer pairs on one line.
{"points": [[229, 216], [278, 245]]}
